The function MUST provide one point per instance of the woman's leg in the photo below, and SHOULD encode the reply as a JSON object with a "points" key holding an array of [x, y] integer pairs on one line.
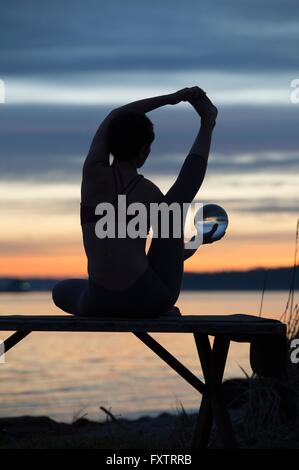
{"points": [[166, 255], [72, 296]]}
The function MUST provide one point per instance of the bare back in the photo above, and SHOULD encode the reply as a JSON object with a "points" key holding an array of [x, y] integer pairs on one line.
{"points": [[114, 263]]}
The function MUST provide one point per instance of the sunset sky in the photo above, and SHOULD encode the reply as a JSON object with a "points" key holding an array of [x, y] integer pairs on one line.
{"points": [[66, 64]]}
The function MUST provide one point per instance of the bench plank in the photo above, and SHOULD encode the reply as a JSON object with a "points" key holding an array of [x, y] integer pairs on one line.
{"points": [[237, 324]]}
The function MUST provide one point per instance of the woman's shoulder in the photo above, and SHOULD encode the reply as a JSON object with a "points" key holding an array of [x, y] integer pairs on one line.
{"points": [[152, 190]]}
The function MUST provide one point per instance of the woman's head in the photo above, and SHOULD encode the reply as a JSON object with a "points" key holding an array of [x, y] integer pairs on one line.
{"points": [[130, 136]]}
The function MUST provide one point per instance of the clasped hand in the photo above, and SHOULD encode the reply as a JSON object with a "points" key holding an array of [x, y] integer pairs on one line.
{"points": [[199, 100]]}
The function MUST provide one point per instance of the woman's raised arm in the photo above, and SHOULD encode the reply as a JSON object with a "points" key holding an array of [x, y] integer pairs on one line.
{"points": [[99, 151], [149, 104], [208, 114], [194, 167]]}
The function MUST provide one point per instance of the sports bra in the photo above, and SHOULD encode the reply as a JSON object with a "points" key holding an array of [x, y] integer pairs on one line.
{"points": [[87, 213]]}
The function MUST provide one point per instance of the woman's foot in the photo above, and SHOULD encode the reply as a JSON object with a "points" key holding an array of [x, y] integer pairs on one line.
{"points": [[172, 312]]}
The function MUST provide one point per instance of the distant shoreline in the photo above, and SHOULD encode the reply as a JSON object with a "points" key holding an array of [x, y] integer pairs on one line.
{"points": [[256, 279]]}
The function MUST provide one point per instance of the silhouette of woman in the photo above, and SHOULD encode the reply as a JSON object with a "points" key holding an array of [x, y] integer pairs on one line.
{"points": [[123, 279]]}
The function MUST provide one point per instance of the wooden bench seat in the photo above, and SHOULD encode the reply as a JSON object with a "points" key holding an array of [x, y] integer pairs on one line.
{"points": [[212, 325]]}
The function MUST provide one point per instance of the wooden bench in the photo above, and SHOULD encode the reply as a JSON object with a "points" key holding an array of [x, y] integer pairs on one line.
{"points": [[242, 328]]}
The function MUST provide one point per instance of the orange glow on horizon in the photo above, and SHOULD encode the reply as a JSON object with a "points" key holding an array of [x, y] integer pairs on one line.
{"points": [[223, 256], [245, 255]]}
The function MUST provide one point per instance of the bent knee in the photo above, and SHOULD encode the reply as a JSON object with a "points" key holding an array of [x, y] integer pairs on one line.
{"points": [[66, 294], [62, 289], [57, 293]]}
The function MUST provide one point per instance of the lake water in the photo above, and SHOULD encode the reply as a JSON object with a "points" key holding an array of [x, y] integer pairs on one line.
{"points": [[64, 375]]}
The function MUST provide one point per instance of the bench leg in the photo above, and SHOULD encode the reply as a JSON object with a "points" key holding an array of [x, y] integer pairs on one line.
{"points": [[203, 425], [176, 365], [12, 340], [212, 407], [204, 422], [221, 415], [213, 363]]}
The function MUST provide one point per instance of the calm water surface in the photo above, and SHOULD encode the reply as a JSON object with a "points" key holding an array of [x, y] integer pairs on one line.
{"points": [[63, 375]]}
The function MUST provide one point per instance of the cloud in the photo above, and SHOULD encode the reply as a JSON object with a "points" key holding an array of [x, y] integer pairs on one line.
{"points": [[74, 36], [118, 87], [51, 143]]}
